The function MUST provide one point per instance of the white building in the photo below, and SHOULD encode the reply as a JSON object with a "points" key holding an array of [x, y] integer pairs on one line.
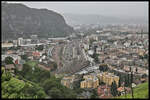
{"points": [[90, 52], [98, 50], [20, 41], [127, 44], [86, 46]]}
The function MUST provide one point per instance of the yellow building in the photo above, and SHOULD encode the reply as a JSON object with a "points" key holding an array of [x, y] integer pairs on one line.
{"points": [[96, 83], [68, 81], [83, 84], [108, 78], [89, 82]]}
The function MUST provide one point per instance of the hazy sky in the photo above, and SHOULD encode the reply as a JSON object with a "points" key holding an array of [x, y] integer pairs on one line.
{"points": [[131, 9]]}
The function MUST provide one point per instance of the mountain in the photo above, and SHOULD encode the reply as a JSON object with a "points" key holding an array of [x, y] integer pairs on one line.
{"points": [[20, 20], [74, 19]]}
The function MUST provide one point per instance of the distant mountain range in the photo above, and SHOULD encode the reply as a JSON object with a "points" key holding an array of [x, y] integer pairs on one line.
{"points": [[19, 20], [74, 19]]}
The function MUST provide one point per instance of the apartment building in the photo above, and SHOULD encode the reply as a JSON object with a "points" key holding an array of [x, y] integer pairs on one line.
{"points": [[108, 78], [68, 81], [89, 82]]}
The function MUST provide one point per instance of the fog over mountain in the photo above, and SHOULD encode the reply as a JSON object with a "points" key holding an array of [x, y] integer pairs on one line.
{"points": [[97, 12], [74, 19]]}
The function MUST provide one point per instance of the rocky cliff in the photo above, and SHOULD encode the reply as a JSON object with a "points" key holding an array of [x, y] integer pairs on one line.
{"points": [[20, 20]]}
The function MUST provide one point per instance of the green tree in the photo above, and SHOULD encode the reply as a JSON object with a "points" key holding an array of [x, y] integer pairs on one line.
{"points": [[48, 84], [40, 47], [55, 93], [127, 80], [103, 67], [12, 88], [9, 60], [95, 56], [119, 82], [114, 91], [94, 94], [54, 66], [136, 69], [24, 57], [144, 75]]}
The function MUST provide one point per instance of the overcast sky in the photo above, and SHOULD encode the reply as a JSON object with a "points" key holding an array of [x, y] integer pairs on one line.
{"points": [[128, 9]]}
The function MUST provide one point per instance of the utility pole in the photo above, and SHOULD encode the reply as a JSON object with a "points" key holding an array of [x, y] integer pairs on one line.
{"points": [[131, 71], [131, 84], [125, 91]]}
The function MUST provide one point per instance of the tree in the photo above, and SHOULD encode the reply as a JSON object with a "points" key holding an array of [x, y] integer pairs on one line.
{"points": [[119, 82], [9, 60], [17, 89], [127, 80], [38, 75], [40, 47], [103, 67], [24, 57], [144, 76], [68, 93], [136, 69], [131, 84], [114, 91], [95, 56], [10, 42], [54, 66], [49, 84], [94, 95], [55, 93]]}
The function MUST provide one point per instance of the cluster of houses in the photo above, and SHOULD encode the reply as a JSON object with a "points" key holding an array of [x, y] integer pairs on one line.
{"points": [[20, 47], [120, 52]]}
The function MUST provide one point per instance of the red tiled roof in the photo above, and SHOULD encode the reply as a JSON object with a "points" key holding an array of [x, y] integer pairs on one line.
{"points": [[35, 53], [120, 89]]}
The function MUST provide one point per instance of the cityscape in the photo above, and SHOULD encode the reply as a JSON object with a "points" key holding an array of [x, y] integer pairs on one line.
{"points": [[50, 58]]}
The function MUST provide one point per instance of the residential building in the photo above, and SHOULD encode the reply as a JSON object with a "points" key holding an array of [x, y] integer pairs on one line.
{"points": [[89, 82], [108, 78], [9, 68], [7, 45], [68, 81]]}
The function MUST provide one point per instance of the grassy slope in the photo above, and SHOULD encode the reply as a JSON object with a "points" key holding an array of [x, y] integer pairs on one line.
{"points": [[140, 91]]}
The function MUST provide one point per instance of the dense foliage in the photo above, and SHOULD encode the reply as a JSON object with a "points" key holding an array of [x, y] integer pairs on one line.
{"points": [[114, 91], [103, 67], [12, 87], [33, 73], [95, 56], [9, 60], [39, 47], [54, 89], [24, 57], [51, 85]]}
